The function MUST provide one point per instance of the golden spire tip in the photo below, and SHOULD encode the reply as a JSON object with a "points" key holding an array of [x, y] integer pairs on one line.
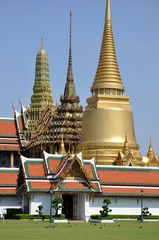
{"points": [[108, 11], [41, 42]]}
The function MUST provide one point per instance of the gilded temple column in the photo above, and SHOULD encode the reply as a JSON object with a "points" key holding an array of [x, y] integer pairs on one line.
{"points": [[11, 160]]}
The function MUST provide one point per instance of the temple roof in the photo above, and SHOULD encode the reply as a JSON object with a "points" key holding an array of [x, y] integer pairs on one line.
{"points": [[66, 173], [9, 140], [8, 181], [58, 171], [128, 175]]}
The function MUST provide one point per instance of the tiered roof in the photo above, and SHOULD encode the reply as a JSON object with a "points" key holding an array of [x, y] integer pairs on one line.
{"points": [[65, 173], [8, 181], [9, 140]]}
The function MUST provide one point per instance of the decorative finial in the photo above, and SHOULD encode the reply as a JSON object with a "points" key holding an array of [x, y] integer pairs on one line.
{"points": [[108, 11], [126, 148], [19, 101], [107, 74], [150, 153], [70, 21], [41, 42], [62, 147], [13, 106]]}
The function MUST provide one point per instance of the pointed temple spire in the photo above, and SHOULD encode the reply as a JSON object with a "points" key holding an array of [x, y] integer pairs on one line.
{"points": [[70, 69], [126, 148], [107, 76], [42, 46], [62, 150], [41, 96], [150, 153], [108, 114], [70, 88]]}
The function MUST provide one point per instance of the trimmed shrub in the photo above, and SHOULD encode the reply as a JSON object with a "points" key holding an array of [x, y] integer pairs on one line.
{"points": [[12, 211], [98, 216]]}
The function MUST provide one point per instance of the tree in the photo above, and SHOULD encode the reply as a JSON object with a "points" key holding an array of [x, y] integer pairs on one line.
{"points": [[146, 212], [105, 212], [57, 204], [40, 207]]}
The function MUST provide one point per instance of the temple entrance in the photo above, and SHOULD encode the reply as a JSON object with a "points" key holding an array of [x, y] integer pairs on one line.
{"points": [[68, 206]]}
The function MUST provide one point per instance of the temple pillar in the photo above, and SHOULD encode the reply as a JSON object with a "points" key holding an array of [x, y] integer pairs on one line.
{"points": [[11, 160]]}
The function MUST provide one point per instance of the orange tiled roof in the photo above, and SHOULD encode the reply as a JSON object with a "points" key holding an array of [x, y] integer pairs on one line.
{"points": [[8, 127], [7, 191], [88, 169], [9, 147], [40, 185], [128, 177], [12, 140], [74, 185], [7, 178], [129, 191], [36, 170], [21, 123], [53, 163]]}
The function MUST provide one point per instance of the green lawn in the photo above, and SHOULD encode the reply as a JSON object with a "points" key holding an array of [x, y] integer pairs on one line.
{"points": [[124, 230]]}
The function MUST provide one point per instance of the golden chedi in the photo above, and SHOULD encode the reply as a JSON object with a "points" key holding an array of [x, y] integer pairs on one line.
{"points": [[107, 117]]}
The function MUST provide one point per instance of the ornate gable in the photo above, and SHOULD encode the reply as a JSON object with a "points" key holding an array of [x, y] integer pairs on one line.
{"points": [[75, 173], [153, 162]]}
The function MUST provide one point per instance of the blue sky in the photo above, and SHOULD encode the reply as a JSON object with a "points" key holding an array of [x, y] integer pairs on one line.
{"points": [[136, 35]]}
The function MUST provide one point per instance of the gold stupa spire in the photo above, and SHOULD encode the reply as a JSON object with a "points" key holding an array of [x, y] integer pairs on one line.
{"points": [[108, 114], [62, 150], [107, 76], [150, 153]]}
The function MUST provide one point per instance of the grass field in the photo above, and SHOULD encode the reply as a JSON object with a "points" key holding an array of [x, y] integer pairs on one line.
{"points": [[124, 230]]}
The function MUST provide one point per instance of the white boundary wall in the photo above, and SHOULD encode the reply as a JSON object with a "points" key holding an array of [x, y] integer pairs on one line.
{"points": [[9, 202], [124, 205], [87, 206]]}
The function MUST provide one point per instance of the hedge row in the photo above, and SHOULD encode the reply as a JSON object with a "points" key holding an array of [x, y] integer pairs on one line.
{"points": [[12, 211], [32, 216], [98, 216]]}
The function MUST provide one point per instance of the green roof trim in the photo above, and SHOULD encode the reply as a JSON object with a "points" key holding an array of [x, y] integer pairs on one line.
{"points": [[8, 150], [8, 194], [6, 120], [14, 143], [15, 136], [9, 171]]}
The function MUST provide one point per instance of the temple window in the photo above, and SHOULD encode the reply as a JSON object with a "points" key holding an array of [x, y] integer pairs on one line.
{"points": [[4, 162]]}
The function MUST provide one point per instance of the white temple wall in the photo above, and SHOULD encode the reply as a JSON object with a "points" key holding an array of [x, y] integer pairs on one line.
{"points": [[125, 205], [9, 202], [81, 206], [40, 199]]}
